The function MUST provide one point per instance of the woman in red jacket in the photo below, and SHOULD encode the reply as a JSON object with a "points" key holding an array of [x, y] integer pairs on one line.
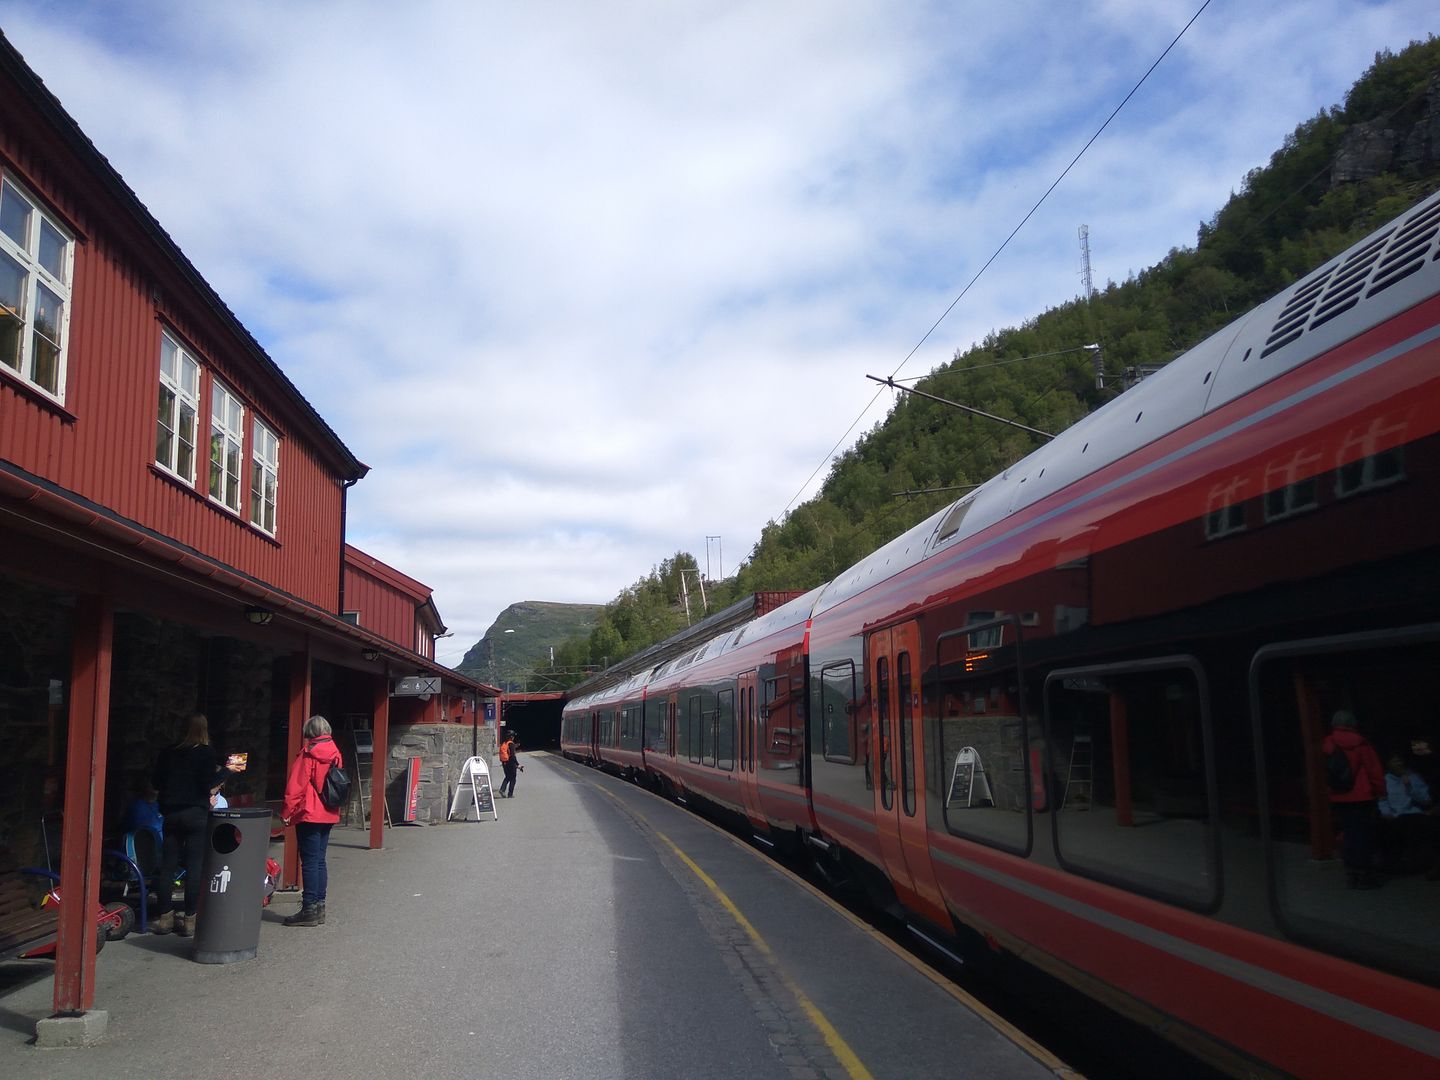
{"points": [[312, 820], [1355, 807]]}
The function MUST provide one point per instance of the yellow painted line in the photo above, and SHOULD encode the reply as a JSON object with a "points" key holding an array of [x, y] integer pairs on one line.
{"points": [[1040, 1053], [838, 1046]]}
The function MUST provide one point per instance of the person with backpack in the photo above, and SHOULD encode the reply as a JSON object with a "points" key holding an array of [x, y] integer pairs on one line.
{"points": [[510, 762], [1356, 781], [306, 808]]}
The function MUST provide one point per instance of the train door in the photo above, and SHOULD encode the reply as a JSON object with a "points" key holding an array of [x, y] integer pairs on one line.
{"points": [[897, 749], [747, 712], [595, 738]]}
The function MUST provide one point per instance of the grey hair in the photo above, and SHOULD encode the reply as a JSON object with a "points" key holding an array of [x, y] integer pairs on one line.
{"points": [[1344, 718], [316, 726]]}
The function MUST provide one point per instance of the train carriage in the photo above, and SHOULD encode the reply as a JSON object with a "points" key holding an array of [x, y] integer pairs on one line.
{"points": [[1073, 723]]}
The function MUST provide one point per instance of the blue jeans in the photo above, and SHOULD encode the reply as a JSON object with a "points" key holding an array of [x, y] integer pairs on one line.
{"points": [[312, 839]]}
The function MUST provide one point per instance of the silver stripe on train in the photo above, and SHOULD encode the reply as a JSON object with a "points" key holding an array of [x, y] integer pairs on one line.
{"points": [[1425, 1040]]}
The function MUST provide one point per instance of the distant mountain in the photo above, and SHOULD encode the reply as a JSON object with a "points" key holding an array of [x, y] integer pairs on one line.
{"points": [[515, 652]]}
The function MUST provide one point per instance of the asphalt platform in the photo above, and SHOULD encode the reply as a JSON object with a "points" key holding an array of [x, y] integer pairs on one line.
{"points": [[592, 931]]}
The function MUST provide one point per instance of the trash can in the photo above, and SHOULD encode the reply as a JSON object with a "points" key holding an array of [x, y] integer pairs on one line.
{"points": [[232, 893]]}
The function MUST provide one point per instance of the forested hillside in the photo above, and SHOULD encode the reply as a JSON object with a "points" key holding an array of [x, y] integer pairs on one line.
{"points": [[1336, 178]]}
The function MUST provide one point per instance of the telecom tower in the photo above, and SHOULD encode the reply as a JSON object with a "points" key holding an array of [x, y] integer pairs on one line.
{"points": [[1088, 283]]}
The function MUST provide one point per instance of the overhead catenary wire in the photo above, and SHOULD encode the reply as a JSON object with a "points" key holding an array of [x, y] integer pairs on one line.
{"points": [[1003, 245]]}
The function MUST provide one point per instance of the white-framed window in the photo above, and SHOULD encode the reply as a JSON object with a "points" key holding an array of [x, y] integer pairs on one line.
{"points": [[1376, 468], [1225, 509], [177, 418], [36, 262], [264, 476], [227, 419], [1286, 494]]}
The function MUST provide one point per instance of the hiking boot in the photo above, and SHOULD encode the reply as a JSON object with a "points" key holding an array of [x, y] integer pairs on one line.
{"points": [[320, 913], [163, 924], [184, 925], [308, 915]]}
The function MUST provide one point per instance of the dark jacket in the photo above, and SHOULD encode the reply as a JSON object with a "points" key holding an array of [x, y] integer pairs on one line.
{"points": [[185, 776], [307, 777], [1365, 767]]}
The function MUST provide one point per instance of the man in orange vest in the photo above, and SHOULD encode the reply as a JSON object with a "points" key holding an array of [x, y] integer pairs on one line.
{"points": [[509, 761]]}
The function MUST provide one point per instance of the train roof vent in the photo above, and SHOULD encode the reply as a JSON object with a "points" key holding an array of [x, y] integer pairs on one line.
{"points": [[1408, 250], [1291, 323], [1349, 280], [1378, 263]]}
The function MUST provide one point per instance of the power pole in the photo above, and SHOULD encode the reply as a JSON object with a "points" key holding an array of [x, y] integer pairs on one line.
{"points": [[1086, 281]]}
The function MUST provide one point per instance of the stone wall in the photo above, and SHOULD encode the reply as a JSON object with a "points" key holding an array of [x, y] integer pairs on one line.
{"points": [[442, 749]]}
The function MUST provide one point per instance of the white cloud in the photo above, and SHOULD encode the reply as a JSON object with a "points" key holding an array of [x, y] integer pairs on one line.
{"points": [[586, 283]]}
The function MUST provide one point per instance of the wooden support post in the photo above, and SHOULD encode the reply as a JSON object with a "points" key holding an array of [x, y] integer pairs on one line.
{"points": [[89, 725], [299, 713], [378, 759], [1317, 795], [1120, 758]]}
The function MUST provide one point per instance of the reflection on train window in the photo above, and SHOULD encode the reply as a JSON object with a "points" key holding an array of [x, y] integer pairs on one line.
{"points": [[903, 691], [1374, 471], [882, 725], [1128, 756], [694, 723], [990, 637], [982, 745], [655, 726], [630, 724], [1288, 490], [1381, 910], [725, 730], [1225, 510], [711, 732], [1373, 467], [838, 711], [783, 738]]}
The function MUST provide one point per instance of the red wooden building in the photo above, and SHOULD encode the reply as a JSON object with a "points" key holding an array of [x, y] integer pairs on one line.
{"points": [[172, 526]]}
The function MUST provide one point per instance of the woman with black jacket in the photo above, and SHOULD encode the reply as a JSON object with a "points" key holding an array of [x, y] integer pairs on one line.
{"points": [[186, 775]]}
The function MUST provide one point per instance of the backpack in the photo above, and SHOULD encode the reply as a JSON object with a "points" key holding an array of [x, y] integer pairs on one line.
{"points": [[336, 789], [504, 753], [1339, 776]]}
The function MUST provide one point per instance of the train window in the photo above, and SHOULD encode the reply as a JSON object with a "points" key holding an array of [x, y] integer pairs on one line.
{"points": [[838, 703], [1376, 468], [1225, 510], [711, 730], [655, 727], [1132, 777], [882, 725], [992, 634], [725, 730], [634, 729], [1329, 850], [903, 693], [694, 725], [987, 773]]}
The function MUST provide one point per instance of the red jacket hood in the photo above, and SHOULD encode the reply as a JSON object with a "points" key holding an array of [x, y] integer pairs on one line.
{"points": [[1347, 738], [322, 749]]}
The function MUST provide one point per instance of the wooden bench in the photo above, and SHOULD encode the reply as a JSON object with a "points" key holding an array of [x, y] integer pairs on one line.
{"points": [[24, 924]]}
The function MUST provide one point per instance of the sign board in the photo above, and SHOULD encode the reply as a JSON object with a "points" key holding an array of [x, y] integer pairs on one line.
{"points": [[412, 789], [489, 710], [416, 686]]}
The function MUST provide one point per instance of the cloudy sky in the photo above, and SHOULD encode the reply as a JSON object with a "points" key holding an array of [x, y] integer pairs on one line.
{"points": [[586, 282]]}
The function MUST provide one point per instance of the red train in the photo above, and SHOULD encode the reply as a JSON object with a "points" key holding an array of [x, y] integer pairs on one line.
{"points": [[1073, 723]]}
